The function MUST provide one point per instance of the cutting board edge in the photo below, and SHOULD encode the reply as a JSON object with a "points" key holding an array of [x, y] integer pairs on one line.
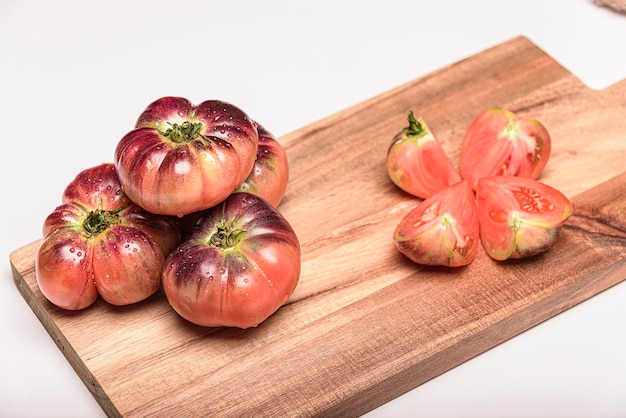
{"points": [[72, 357]]}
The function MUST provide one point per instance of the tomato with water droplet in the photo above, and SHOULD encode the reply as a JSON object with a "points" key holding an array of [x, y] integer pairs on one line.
{"points": [[179, 159], [270, 173], [238, 265], [85, 249]]}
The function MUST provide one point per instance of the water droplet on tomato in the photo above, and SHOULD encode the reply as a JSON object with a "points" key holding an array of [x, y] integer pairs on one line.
{"points": [[72, 249]]}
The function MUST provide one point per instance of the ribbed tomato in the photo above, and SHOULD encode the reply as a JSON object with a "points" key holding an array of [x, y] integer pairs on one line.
{"points": [[182, 158], [98, 242], [270, 173], [416, 161], [497, 143], [240, 263], [442, 230], [519, 217]]}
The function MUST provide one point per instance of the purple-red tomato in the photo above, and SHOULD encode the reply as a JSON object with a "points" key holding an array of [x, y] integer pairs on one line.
{"points": [[416, 161], [270, 173], [98, 242], [519, 216], [497, 143], [442, 230], [240, 263], [182, 158]]}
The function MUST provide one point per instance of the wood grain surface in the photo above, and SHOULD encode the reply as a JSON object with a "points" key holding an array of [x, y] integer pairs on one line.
{"points": [[365, 324]]}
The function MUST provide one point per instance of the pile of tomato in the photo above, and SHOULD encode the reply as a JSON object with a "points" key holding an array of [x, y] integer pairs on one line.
{"points": [[189, 205], [494, 198]]}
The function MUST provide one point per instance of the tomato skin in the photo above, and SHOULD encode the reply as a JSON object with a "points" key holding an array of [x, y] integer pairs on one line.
{"points": [[497, 143], [122, 261], [519, 216], [416, 161], [270, 173], [240, 263], [173, 162], [442, 230]]}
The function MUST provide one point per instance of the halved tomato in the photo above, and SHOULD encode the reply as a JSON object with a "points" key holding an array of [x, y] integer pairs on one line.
{"points": [[442, 230], [497, 143], [519, 217], [416, 161]]}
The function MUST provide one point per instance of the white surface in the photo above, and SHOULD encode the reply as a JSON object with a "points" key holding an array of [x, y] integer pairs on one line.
{"points": [[73, 76]]}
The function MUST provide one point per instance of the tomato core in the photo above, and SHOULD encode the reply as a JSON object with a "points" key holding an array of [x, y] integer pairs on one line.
{"points": [[511, 132], [185, 132], [98, 220]]}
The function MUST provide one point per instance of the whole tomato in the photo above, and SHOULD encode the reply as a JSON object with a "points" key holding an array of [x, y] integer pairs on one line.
{"points": [[497, 143], [442, 230], [182, 158], [519, 216], [270, 173], [240, 263], [417, 163], [98, 242]]}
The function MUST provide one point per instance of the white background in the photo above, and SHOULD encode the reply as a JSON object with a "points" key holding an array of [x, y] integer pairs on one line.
{"points": [[75, 74]]}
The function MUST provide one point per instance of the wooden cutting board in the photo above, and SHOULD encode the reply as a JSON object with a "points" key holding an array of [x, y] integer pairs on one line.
{"points": [[364, 324]]}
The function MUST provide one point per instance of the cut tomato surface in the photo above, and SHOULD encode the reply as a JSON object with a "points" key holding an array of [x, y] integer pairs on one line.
{"points": [[417, 163], [442, 230], [497, 143], [519, 217]]}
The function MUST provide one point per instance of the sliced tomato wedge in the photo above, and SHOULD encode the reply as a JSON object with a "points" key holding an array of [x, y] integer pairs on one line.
{"points": [[417, 163], [519, 216], [442, 230], [497, 143]]}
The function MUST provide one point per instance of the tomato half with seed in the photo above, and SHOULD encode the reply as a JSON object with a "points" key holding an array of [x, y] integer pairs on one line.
{"points": [[182, 158], [519, 217], [416, 161], [442, 230], [270, 173], [497, 143], [98, 242], [240, 264]]}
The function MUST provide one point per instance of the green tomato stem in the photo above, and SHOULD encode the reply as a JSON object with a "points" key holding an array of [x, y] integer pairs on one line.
{"points": [[185, 132], [415, 128], [226, 236], [98, 220]]}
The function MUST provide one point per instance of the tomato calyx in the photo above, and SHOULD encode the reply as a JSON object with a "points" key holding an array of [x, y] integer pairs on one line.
{"points": [[226, 236], [98, 220], [184, 132], [416, 127]]}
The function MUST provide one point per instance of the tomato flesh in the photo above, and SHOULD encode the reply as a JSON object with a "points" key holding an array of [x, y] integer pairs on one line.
{"points": [[442, 230], [519, 217], [498, 143]]}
